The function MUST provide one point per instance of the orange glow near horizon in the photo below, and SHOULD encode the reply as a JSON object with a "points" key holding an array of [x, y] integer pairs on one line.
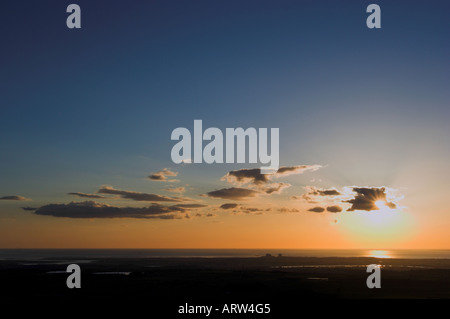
{"points": [[380, 227]]}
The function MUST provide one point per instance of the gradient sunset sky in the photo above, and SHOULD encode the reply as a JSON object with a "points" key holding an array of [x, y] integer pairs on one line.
{"points": [[87, 115]]}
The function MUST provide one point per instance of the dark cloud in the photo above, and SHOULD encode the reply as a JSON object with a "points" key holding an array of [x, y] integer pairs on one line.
{"points": [[299, 169], [162, 175], [244, 176], [366, 197], [13, 197], [334, 209], [29, 208], [156, 177], [137, 196], [91, 209], [254, 176], [328, 192], [314, 191], [228, 206], [233, 193], [316, 209], [83, 195]]}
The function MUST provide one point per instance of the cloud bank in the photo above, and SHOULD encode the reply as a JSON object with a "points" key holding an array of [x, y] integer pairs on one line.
{"points": [[91, 209]]}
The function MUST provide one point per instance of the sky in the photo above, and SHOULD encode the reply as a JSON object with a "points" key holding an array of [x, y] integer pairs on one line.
{"points": [[87, 116]]}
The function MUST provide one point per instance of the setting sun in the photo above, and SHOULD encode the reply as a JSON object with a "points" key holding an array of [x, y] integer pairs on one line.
{"points": [[380, 204]]}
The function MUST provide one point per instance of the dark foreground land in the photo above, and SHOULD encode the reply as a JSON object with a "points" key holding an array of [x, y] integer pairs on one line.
{"points": [[281, 281]]}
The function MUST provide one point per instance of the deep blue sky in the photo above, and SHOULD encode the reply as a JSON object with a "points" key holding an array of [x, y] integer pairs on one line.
{"points": [[81, 108]]}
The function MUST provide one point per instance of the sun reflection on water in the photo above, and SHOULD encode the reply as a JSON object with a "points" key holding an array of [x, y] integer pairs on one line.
{"points": [[380, 254]]}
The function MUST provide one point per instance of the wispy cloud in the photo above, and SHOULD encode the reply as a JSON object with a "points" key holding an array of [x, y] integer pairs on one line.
{"points": [[275, 188], [313, 193], [176, 189], [162, 176], [83, 195], [14, 197], [29, 208], [137, 195], [242, 209], [288, 210]]}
